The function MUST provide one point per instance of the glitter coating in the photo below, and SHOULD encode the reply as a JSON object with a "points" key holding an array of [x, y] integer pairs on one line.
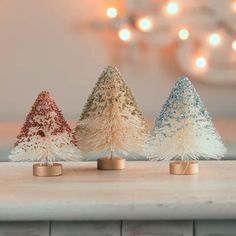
{"points": [[184, 128], [111, 120], [45, 135]]}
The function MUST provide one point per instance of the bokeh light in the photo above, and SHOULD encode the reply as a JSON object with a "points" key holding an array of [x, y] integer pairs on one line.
{"points": [[183, 34], [145, 24], [200, 62], [124, 34], [111, 12], [214, 39], [172, 8]]}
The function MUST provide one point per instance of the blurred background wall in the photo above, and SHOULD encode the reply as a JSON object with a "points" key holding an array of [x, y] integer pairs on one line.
{"points": [[49, 45]]}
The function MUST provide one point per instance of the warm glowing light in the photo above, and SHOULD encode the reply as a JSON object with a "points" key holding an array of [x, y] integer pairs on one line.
{"points": [[111, 12], [172, 8], [183, 34], [145, 24], [201, 62], [234, 45], [234, 5], [125, 34], [214, 39]]}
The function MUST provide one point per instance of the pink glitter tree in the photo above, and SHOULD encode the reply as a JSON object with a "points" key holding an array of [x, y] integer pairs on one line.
{"points": [[45, 136]]}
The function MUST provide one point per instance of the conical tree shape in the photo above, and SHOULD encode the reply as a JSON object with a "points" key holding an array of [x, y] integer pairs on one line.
{"points": [[184, 129], [45, 135], [111, 122]]}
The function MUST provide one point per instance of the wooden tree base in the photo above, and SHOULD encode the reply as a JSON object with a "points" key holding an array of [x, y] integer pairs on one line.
{"points": [[184, 167], [106, 163], [44, 170]]}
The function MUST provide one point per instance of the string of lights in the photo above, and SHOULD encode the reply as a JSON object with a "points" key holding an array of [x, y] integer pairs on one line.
{"points": [[201, 32]]}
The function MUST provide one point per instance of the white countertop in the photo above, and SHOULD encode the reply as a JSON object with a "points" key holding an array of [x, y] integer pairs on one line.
{"points": [[144, 190]]}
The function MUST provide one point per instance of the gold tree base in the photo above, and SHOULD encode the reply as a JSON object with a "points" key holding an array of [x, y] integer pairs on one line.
{"points": [[106, 163], [44, 170], [184, 167]]}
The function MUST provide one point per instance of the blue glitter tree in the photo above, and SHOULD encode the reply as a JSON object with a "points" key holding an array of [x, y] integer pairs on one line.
{"points": [[184, 129]]}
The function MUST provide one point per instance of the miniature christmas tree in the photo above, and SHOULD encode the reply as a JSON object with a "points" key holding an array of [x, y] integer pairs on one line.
{"points": [[111, 123], [184, 129], [45, 137]]}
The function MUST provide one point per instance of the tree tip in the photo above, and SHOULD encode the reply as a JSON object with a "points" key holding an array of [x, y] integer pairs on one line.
{"points": [[183, 78], [110, 70], [44, 93], [111, 67]]}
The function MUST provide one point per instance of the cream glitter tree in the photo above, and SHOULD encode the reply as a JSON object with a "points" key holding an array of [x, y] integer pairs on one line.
{"points": [[111, 122], [45, 137], [184, 131]]}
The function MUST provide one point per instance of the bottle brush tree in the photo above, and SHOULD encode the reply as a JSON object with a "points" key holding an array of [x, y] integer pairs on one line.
{"points": [[111, 123], [45, 137], [184, 129]]}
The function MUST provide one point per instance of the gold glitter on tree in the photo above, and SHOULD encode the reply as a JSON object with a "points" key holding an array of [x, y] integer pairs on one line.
{"points": [[111, 121]]}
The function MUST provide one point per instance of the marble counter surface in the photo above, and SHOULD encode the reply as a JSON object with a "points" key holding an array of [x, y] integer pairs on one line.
{"points": [[143, 191]]}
